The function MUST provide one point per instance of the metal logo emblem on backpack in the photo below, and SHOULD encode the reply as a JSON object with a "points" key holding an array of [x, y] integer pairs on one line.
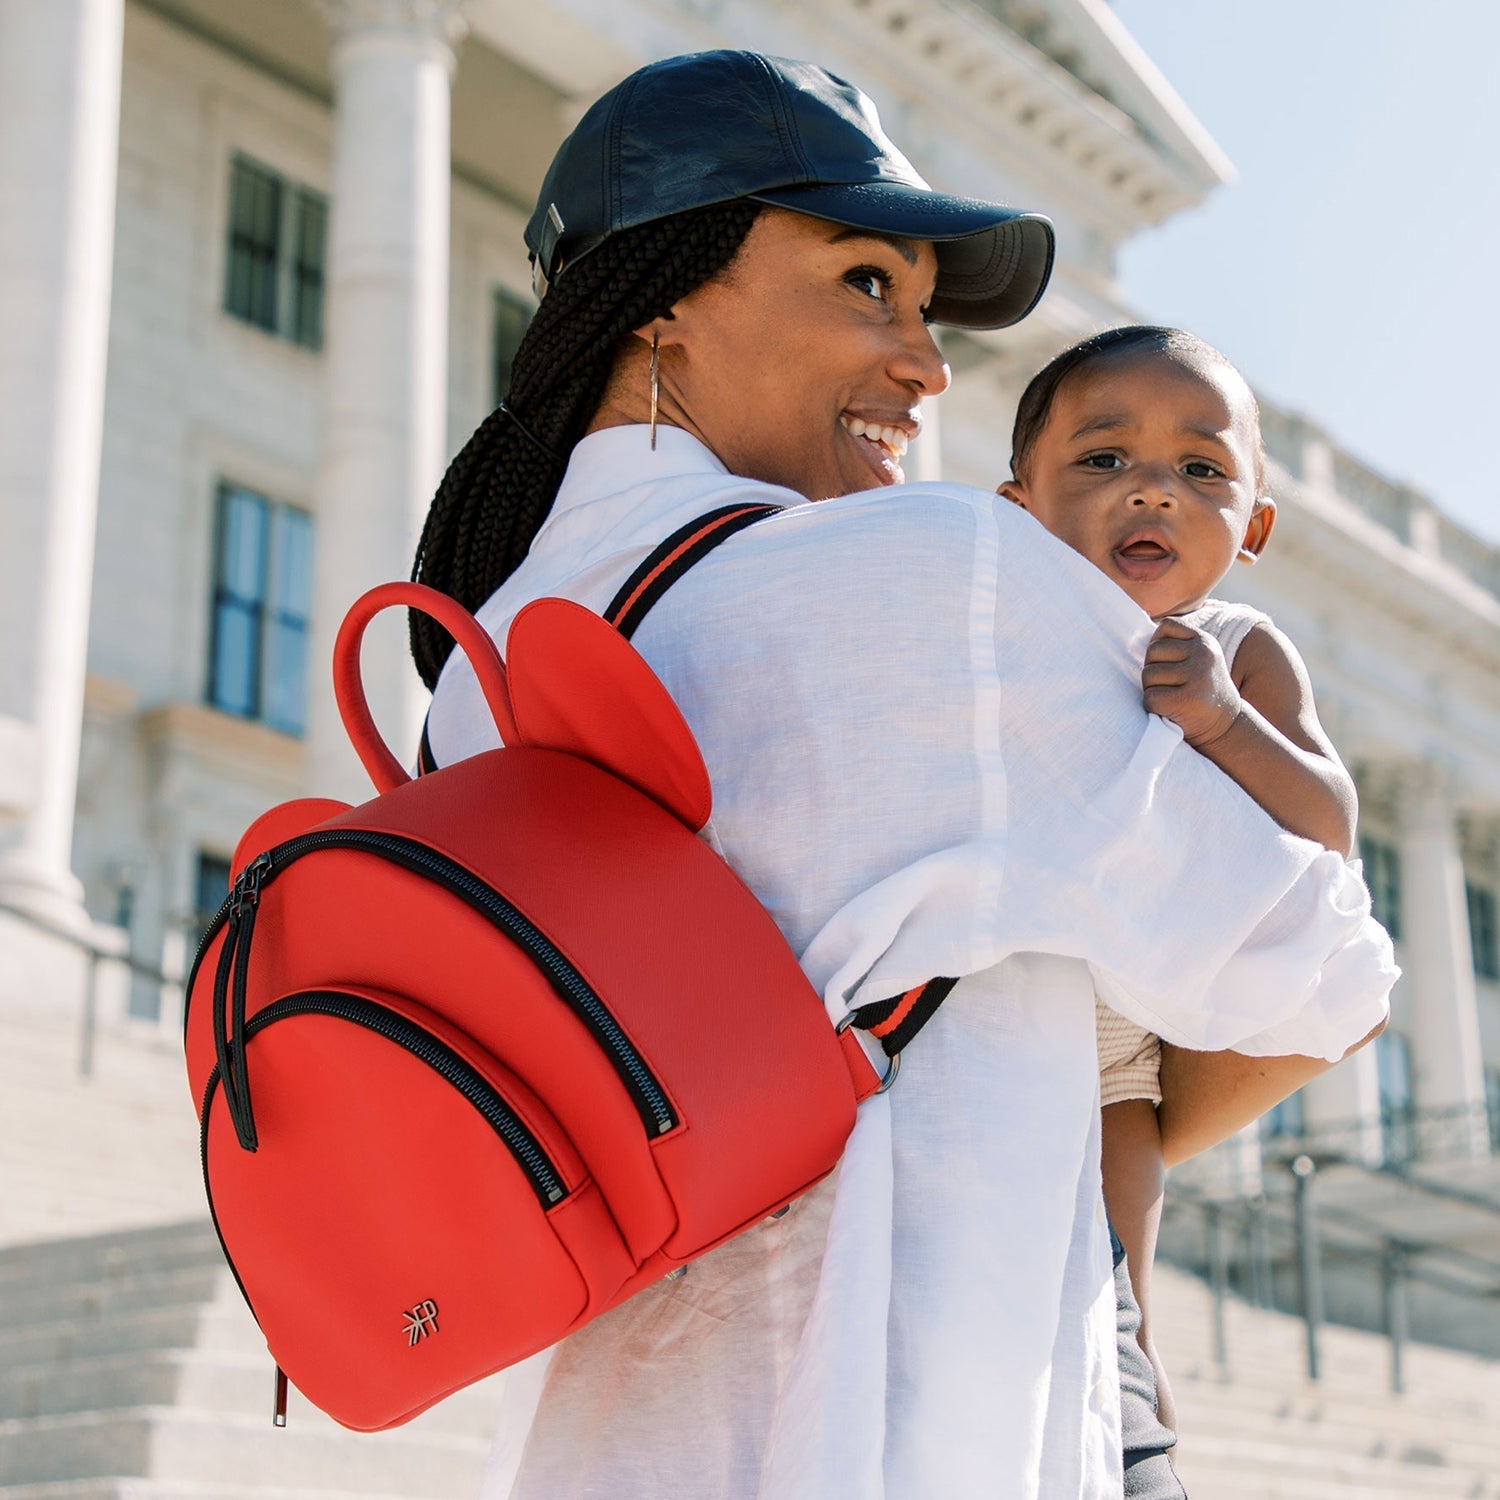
{"points": [[420, 1321]]}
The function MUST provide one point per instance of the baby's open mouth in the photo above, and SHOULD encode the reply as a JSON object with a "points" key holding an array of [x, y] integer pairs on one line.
{"points": [[1144, 551], [892, 439]]}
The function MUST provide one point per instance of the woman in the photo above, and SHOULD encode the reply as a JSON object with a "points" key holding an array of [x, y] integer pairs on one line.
{"points": [[922, 722]]}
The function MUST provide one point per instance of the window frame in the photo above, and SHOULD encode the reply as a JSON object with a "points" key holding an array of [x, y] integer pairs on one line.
{"points": [[289, 301], [266, 612], [1484, 929], [506, 303]]}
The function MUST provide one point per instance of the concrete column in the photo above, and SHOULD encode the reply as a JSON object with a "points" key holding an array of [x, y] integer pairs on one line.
{"points": [[1439, 979], [386, 347], [59, 148]]}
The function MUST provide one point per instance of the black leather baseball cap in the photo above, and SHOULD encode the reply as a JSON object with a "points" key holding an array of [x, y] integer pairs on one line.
{"points": [[708, 127]]}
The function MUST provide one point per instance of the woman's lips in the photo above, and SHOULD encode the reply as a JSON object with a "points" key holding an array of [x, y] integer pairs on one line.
{"points": [[1143, 560]]}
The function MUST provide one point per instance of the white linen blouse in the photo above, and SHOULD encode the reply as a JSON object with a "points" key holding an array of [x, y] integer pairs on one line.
{"points": [[921, 715]]}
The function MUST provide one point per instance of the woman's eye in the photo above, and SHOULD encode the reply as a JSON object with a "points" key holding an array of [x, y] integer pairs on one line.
{"points": [[1105, 461], [871, 280]]}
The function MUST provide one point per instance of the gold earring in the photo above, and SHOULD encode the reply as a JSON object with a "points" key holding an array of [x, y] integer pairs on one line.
{"points": [[655, 389]]}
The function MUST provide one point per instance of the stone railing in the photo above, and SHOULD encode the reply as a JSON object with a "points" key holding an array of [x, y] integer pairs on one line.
{"points": [[1305, 452]]}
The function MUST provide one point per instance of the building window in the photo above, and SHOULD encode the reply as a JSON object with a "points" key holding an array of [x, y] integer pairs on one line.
{"points": [[210, 887], [277, 238], [1397, 1114], [512, 316], [1484, 931], [262, 599], [1383, 876]]}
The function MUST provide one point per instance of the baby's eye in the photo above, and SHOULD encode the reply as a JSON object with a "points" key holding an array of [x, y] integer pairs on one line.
{"points": [[871, 280], [1199, 469], [1102, 461]]}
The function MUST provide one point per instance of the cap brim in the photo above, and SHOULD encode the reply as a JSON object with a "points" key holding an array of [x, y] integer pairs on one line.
{"points": [[993, 262]]}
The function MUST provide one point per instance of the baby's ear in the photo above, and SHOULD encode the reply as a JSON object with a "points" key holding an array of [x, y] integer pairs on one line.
{"points": [[1258, 532], [1013, 491]]}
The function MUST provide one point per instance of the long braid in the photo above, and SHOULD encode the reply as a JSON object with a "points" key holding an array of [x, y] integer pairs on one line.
{"points": [[500, 487]]}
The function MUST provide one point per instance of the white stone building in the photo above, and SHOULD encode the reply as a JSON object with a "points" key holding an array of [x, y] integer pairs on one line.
{"points": [[260, 265]]}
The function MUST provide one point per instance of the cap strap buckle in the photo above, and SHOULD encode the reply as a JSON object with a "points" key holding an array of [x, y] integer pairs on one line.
{"points": [[547, 264]]}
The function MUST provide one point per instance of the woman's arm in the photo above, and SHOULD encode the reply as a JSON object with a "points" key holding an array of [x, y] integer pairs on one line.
{"points": [[1207, 1096]]}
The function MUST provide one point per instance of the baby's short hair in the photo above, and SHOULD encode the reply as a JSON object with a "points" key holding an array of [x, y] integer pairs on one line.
{"points": [[1036, 400]]}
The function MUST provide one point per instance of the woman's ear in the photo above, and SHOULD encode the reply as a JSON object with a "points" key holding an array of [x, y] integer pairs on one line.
{"points": [[1014, 491], [1258, 532], [663, 331]]}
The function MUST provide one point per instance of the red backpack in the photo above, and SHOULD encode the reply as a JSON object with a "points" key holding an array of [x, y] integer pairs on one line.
{"points": [[483, 1056]]}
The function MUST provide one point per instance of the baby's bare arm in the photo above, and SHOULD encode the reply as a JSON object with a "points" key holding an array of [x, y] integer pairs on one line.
{"points": [[1258, 725]]}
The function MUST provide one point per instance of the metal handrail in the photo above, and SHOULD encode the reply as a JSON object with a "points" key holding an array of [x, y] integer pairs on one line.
{"points": [[89, 1021], [1431, 1133], [1398, 1260]]}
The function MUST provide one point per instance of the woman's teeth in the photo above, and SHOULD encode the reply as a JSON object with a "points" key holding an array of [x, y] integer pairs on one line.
{"points": [[892, 438]]}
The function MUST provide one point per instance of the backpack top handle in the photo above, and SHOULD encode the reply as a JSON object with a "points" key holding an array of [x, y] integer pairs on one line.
{"points": [[385, 771]]}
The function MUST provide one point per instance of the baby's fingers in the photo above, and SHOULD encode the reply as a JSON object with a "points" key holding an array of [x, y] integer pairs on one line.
{"points": [[1172, 629], [1165, 674]]}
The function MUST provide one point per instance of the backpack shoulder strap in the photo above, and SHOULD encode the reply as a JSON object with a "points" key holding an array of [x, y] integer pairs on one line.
{"points": [[667, 562], [661, 568]]}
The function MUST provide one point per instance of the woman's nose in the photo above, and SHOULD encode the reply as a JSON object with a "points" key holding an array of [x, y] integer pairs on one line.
{"points": [[918, 361]]}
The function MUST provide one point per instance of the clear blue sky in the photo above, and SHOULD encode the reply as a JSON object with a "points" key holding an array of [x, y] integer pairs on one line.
{"points": [[1349, 271]]}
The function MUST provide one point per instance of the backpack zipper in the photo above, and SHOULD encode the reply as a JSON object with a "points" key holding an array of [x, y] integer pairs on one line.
{"points": [[426, 1048], [650, 1099]]}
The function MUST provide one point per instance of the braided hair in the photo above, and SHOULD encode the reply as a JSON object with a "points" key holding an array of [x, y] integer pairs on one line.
{"points": [[500, 487]]}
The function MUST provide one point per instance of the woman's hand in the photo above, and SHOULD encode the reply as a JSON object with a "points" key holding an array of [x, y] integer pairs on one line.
{"points": [[1186, 679]]}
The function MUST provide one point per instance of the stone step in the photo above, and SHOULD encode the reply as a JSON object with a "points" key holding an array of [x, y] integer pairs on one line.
{"points": [[96, 1299], [212, 1448], [240, 1384], [137, 1252], [1383, 1430], [1282, 1467], [169, 1489], [219, 1326]]}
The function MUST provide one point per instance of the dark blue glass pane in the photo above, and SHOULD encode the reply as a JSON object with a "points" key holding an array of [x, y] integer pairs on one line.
{"points": [[291, 563], [242, 550], [233, 683], [255, 197], [286, 674]]}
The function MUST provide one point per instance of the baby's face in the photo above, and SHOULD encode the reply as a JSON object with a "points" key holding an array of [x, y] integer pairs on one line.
{"points": [[1146, 466]]}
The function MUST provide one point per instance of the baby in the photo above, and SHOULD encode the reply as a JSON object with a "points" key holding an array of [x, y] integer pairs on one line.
{"points": [[1141, 449]]}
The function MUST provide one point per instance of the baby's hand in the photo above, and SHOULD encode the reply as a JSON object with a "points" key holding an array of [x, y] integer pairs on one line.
{"points": [[1186, 679]]}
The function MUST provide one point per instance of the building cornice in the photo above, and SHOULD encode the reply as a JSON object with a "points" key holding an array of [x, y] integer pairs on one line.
{"points": [[984, 78]]}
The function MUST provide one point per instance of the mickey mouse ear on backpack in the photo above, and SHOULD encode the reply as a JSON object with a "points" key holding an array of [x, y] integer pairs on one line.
{"points": [[576, 684]]}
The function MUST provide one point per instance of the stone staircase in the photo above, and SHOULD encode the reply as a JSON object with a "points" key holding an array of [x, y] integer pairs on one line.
{"points": [[1263, 1431], [111, 1150], [130, 1369]]}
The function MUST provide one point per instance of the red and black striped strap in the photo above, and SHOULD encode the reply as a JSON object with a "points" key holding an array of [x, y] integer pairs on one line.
{"points": [[895, 1022], [668, 561]]}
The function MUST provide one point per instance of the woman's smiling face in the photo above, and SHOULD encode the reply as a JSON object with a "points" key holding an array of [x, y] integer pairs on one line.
{"points": [[805, 362], [1148, 466]]}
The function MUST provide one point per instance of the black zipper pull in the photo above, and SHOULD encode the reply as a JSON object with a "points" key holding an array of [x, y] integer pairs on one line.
{"points": [[247, 884]]}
